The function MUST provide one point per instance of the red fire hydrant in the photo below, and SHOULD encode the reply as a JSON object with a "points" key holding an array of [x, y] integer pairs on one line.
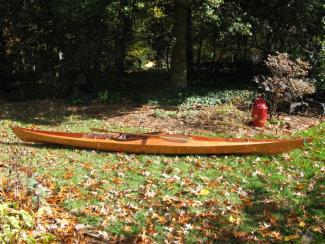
{"points": [[259, 112]]}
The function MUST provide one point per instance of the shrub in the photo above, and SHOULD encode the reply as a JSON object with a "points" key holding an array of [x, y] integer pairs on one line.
{"points": [[287, 80], [109, 97]]}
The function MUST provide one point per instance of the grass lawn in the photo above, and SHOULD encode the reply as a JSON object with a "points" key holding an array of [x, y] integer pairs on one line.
{"points": [[71, 193]]}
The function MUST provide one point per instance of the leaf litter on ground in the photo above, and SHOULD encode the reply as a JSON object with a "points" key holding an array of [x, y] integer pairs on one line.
{"points": [[78, 194]]}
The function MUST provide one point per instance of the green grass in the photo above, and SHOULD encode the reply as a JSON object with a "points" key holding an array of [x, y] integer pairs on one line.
{"points": [[187, 198]]}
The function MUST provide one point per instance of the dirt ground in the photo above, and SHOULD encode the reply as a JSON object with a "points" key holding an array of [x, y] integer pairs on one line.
{"points": [[223, 119], [211, 120]]}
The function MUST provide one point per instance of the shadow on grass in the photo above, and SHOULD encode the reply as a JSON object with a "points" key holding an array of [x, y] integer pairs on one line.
{"points": [[285, 217], [138, 90], [54, 112]]}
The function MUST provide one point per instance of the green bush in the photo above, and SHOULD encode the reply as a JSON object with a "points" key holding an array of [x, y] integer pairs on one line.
{"points": [[108, 97], [218, 97], [165, 114]]}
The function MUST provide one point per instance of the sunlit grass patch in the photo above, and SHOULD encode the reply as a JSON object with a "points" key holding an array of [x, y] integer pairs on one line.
{"points": [[187, 198]]}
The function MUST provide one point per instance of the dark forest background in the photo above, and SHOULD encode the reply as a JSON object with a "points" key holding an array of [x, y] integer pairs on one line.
{"points": [[62, 48]]}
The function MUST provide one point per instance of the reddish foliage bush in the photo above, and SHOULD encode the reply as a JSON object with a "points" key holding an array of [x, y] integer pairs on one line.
{"points": [[287, 80]]}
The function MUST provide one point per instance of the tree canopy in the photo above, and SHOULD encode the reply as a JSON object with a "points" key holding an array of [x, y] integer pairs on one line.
{"points": [[71, 45]]}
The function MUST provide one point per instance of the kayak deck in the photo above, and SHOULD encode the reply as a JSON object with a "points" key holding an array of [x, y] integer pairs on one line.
{"points": [[159, 145]]}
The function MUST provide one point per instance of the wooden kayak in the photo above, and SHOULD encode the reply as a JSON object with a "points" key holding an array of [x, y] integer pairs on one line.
{"points": [[162, 143]]}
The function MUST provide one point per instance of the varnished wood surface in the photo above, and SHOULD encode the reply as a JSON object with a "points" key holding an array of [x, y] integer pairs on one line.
{"points": [[154, 145]]}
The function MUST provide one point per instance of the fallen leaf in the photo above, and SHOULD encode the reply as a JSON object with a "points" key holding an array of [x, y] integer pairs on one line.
{"points": [[162, 219], [204, 192], [127, 228], [234, 219], [302, 224], [87, 166], [300, 187], [317, 229], [68, 175], [276, 235], [290, 237], [117, 180]]}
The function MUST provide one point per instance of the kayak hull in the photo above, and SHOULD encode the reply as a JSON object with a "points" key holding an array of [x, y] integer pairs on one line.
{"points": [[156, 145]]}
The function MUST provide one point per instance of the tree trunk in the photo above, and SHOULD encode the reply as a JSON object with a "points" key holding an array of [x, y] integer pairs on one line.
{"points": [[214, 57], [122, 41], [198, 60], [167, 58], [189, 46], [178, 79], [214, 50]]}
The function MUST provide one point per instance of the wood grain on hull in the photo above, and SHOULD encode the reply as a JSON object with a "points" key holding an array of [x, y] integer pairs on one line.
{"points": [[196, 144]]}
